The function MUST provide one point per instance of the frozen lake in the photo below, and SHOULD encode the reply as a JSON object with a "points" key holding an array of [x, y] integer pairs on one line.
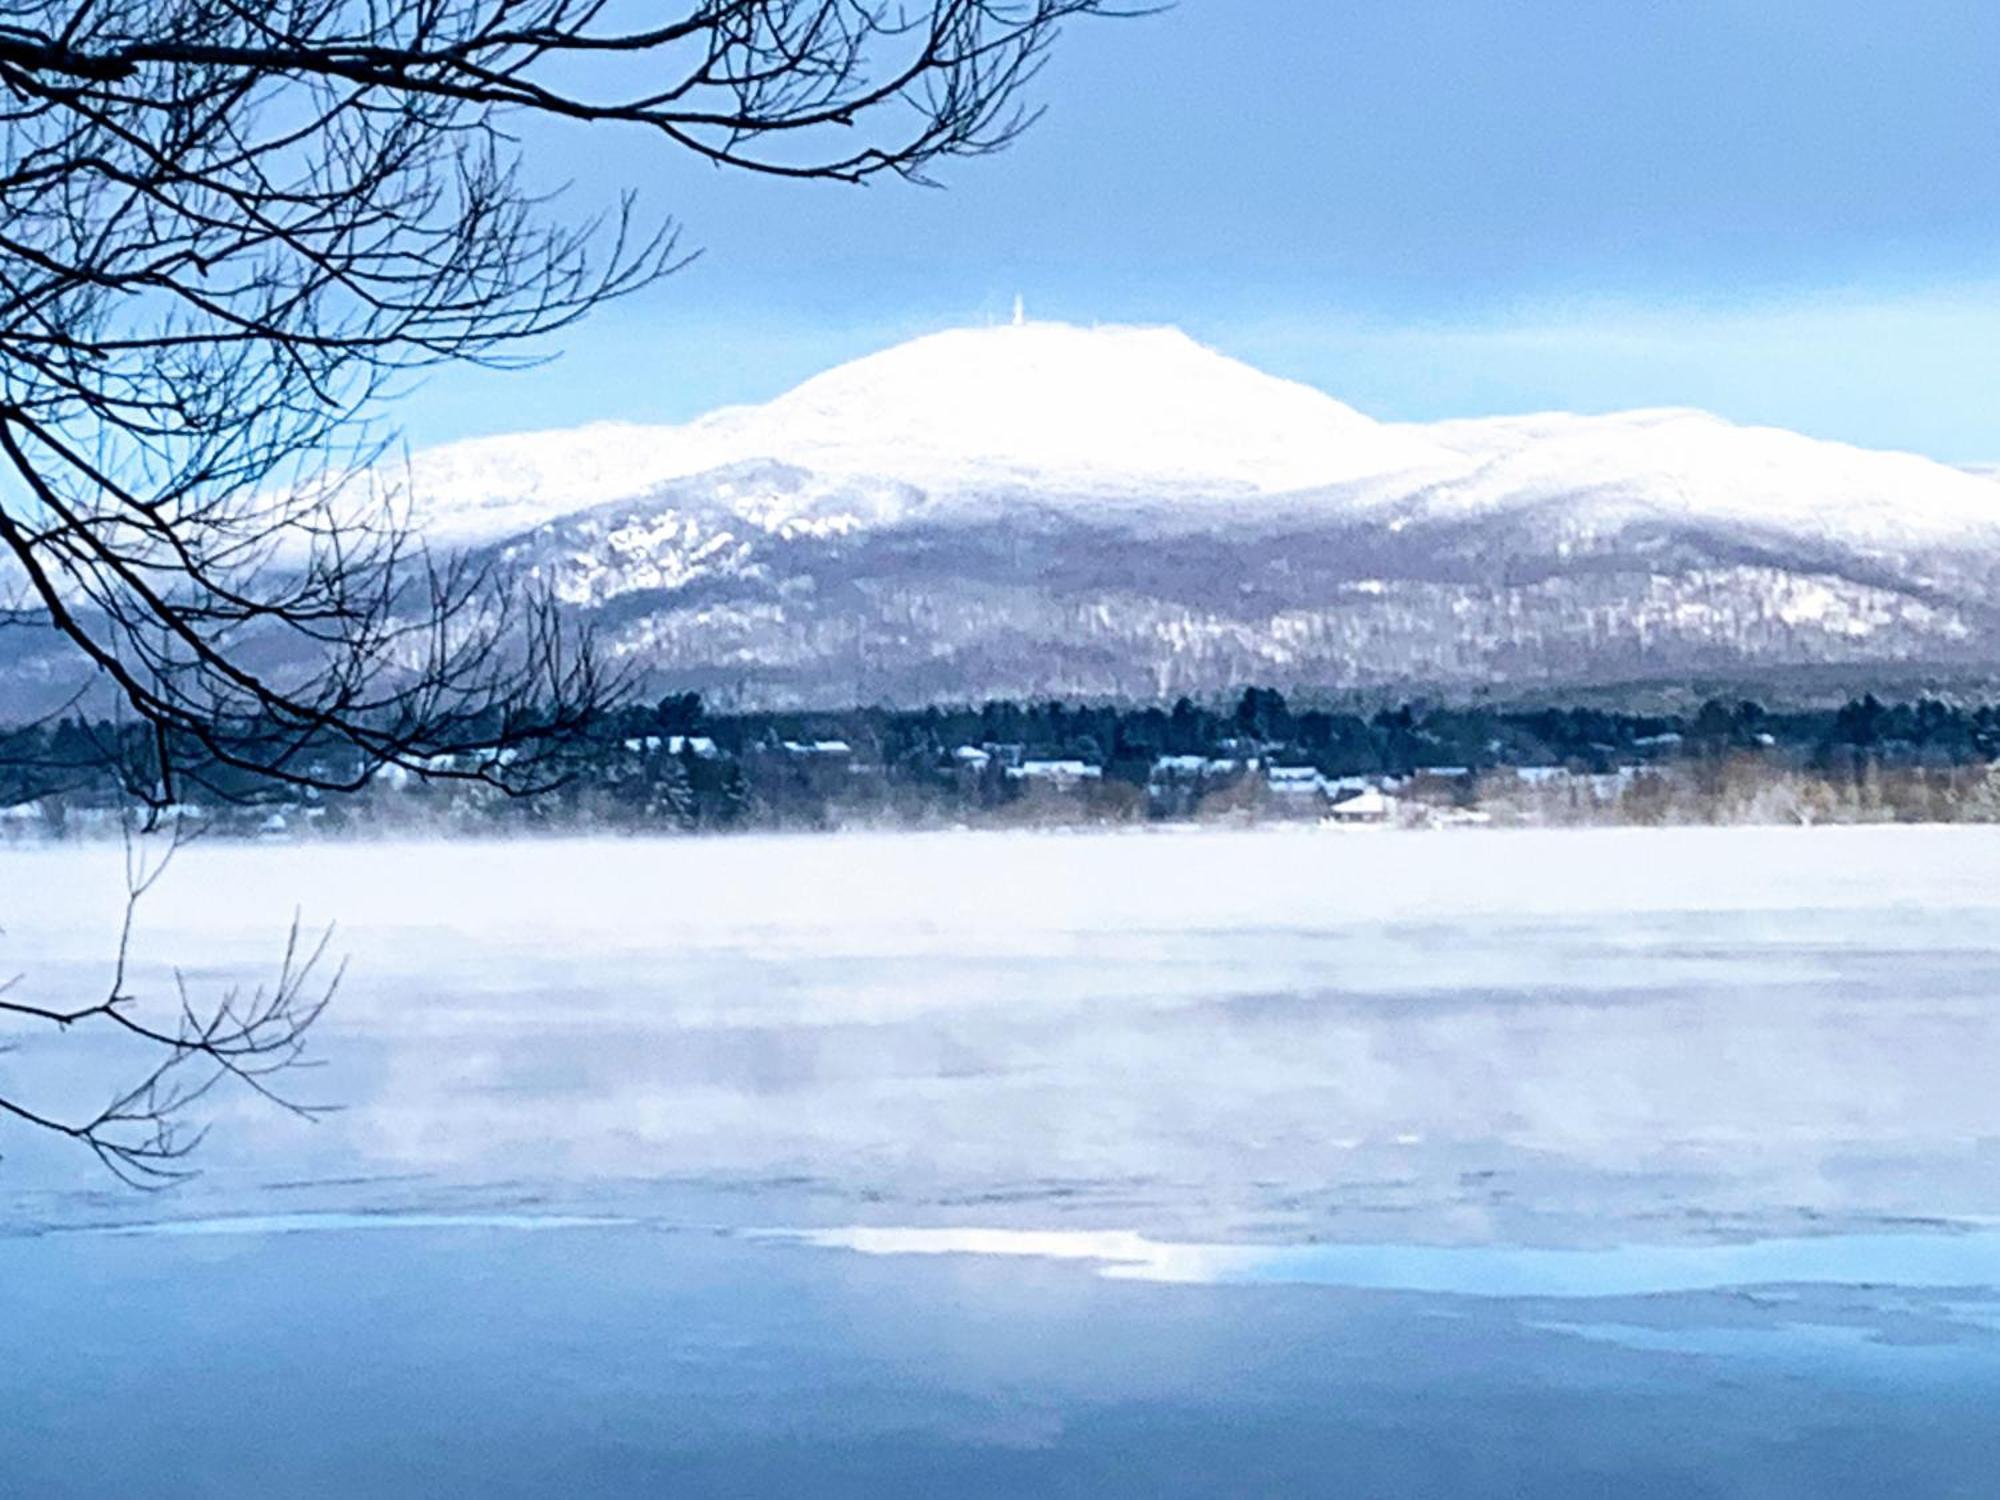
{"points": [[1648, 1162]]}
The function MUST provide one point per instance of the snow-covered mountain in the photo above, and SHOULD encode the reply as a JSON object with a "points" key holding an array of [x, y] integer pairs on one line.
{"points": [[1044, 508], [1120, 511], [1146, 416]]}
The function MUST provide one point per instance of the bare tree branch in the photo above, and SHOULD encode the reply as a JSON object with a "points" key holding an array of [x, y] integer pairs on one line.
{"points": [[229, 231], [144, 1133]]}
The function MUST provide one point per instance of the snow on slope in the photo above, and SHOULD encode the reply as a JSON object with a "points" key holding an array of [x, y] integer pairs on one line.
{"points": [[1107, 409], [1108, 416], [1678, 464], [1110, 411], [487, 488]]}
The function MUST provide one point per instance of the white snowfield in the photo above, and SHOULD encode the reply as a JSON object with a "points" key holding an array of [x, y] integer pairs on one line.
{"points": [[1684, 464], [1111, 416]]}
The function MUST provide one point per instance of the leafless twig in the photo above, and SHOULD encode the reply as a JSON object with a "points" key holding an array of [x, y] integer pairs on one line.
{"points": [[229, 232], [146, 1131]]}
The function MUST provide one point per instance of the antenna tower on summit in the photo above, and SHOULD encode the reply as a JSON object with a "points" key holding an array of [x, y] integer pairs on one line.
{"points": [[1020, 310]]}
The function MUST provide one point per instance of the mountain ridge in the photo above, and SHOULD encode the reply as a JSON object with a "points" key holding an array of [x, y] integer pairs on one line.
{"points": [[1129, 415], [1114, 513], [859, 539]]}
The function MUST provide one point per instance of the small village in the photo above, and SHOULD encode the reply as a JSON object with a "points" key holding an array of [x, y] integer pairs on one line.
{"points": [[673, 767]]}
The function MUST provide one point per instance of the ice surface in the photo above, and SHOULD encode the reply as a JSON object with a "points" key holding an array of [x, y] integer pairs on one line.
{"points": [[1482, 1165]]}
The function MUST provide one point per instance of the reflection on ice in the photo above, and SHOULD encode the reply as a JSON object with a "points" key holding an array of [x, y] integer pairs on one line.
{"points": [[1966, 1259]]}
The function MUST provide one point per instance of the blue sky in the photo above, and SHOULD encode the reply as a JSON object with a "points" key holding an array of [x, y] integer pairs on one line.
{"points": [[1786, 211]]}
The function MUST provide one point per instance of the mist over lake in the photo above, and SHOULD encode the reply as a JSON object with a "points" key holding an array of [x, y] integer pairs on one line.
{"points": [[796, 1108]]}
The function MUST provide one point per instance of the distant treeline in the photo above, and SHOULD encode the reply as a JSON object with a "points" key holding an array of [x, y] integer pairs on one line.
{"points": [[675, 764], [1126, 740]]}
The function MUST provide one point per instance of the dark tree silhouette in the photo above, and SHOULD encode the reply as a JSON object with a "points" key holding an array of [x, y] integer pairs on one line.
{"points": [[143, 1133], [230, 228], [227, 229]]}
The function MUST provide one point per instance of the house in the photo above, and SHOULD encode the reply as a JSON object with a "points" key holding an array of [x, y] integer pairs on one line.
{"points": [[970, 766], [1295, 782], [1371, 806], [1195, 770], [698, 745], [1177, 785], [1296, 790], [1063, 775]]}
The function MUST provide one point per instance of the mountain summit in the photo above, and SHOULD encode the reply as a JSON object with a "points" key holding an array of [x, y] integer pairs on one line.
{"points": [[1053, 405], [1044, 406]]}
